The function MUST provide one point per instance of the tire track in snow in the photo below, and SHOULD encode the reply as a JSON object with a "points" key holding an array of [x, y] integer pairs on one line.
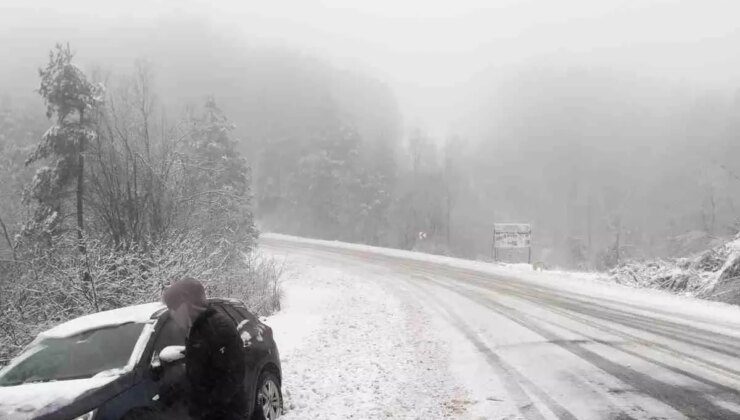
{"points": [[514, 381], [714, 341], [592, 310], [557, 409], [541, 296], [630, 338], [733, 393], [689, 402]]}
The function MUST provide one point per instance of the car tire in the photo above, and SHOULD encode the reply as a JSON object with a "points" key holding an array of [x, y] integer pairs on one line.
{"points": [[268, 403]]}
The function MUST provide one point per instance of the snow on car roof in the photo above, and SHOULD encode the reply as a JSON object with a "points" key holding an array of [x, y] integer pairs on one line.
{"points": [[120, 316]]}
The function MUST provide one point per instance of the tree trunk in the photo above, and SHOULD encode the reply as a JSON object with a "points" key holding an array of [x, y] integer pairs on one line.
{"points": [[80, 188], [85, 276], [80, 191], [7, 238]]}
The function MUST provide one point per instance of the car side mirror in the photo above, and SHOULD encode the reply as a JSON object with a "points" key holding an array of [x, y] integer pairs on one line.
{"points": [[166, 356], [171, 354]]}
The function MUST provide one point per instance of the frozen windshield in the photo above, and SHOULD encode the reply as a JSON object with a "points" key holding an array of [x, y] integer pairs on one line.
{"points": [[79, 356]]}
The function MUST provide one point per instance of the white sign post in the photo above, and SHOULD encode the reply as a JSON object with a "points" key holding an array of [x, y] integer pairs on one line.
{"points": [[512, 235]]}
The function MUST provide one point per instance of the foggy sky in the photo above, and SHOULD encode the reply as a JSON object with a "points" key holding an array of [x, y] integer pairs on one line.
{"points": [[430, 52]]}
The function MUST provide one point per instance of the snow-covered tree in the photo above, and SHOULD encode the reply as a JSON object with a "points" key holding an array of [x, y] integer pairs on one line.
{"points": [[70, 103], [217, 178]]}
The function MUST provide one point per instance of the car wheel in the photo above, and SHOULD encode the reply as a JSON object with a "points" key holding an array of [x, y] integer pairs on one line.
{"points": [[269, 398]]}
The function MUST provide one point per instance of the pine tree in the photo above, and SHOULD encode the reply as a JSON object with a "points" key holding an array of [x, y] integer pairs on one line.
{"points": [[70, 103], [219, 178]]}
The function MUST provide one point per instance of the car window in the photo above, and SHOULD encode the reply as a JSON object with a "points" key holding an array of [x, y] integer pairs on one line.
{"points": [[235, 315], [245, 313], [170, 335], [223, 311], [78, 356]]}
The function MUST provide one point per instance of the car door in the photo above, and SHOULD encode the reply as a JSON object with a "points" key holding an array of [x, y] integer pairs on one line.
{"points": [[170, 381], [247, 327], [150, 391], [249, 331]]}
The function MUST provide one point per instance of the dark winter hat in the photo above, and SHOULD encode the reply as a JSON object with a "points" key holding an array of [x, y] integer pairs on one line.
{"points": [[188, 290]]}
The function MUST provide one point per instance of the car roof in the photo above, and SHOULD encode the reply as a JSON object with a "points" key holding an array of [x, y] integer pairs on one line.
{"points": [[231, 301], [111, 318], [115, 317]]}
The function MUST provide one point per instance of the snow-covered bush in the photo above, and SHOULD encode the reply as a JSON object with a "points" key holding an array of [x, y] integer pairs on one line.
{"points": [[713, 274], [727, 286], [49, 286]]}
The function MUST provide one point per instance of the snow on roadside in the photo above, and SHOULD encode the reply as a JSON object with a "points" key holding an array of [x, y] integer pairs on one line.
{"points": [[592, 284], [350, 349]]}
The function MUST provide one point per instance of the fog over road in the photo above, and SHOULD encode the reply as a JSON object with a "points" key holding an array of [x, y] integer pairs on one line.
{"points": [[524, 348]]}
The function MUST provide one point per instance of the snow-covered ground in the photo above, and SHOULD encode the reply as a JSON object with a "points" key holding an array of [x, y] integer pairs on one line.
{"points": [[375, 333], [350, 349]]}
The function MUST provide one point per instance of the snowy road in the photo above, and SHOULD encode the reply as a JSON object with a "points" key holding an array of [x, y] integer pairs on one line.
{"points": [[372, 333]]}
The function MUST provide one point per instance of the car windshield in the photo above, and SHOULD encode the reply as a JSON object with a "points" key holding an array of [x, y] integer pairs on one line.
{"points": [[79, 356]]}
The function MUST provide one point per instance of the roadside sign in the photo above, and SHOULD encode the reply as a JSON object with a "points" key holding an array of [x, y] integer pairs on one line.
{"points": [[512, 235]]}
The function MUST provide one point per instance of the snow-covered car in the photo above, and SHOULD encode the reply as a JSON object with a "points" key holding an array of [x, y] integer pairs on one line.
{"points": [[119, 364]]}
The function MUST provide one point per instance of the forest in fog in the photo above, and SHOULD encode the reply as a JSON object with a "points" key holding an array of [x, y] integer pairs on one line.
{"points": [[607, 165]]}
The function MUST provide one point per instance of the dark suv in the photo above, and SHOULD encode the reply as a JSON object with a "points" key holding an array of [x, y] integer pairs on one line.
{"points": [[120, 364]]}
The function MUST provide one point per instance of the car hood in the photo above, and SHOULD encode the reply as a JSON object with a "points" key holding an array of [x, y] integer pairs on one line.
{"points": [[35, 399]]}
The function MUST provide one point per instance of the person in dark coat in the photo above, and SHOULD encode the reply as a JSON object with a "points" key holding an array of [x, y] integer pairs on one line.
{"points": [[214, 358]]}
